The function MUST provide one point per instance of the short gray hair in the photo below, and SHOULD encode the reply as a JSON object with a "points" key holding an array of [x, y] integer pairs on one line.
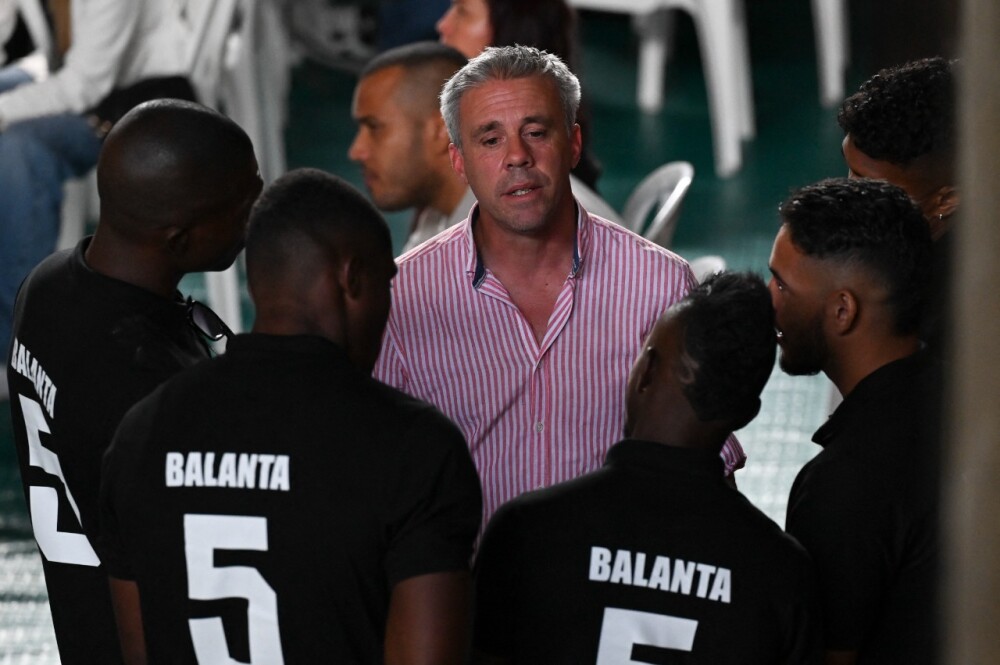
{"points": [[503, 63]]}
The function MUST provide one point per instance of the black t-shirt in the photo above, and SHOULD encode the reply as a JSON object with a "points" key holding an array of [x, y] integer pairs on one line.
{"points": [[653, 557], [85, 348], [866, 509], [280, 483]]}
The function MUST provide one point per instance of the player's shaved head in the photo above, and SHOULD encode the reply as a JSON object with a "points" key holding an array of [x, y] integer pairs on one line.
{"points": [[319, 262], [306, 216], [171, 162]]}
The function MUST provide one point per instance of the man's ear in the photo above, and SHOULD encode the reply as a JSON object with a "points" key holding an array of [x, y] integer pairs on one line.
{"points": [[437, 132], [351, 277], [843, 309], [457, 161], [943, 204], [645, 369], [178, 239], [576, 143]]}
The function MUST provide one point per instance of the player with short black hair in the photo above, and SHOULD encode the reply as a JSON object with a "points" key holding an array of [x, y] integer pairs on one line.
{"points": [[868, 224], [277, 504], [848, 264], [99, 326], [904, 113], [654, 555], [900, 127], [732, 350]]}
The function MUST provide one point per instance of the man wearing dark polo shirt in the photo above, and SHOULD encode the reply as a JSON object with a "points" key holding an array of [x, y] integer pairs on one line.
{"points": [[654, 558], [850, 265], [277, 504]]}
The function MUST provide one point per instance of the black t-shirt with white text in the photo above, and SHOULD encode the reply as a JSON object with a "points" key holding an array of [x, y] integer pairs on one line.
{"points": [[653, 558], [267, 502]]}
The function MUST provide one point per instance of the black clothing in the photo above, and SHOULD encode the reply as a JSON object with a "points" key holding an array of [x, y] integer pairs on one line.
{"points": [[340, 485], [85, 348], [654, 538], [866, 509]]}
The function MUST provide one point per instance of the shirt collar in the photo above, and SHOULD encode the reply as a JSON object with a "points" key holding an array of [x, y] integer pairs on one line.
{"points": [[652, 457], [581, 243], [883, 381]]}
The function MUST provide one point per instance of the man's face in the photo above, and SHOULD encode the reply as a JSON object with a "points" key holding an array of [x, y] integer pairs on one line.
{"points": [[370, 310], [218, 238], [466, 27], [798, 292], [860, 165], [516, 152], [392, 144]]}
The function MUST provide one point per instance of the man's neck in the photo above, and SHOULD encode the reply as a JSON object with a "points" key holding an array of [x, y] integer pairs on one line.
{"points": [[131, 263], [855, 365]]}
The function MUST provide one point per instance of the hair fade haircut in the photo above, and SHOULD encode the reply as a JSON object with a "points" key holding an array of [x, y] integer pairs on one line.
{"points": [[504, 63], [314, 207], [418, 55], [904, 112], [870, 225], [729, 336]]}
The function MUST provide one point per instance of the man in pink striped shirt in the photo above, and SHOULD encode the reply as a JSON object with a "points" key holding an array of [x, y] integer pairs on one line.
{"points": [[521, 323]]}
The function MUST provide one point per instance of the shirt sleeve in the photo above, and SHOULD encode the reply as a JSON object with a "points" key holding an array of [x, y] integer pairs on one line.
{"points": [[102, 31], [803, 643], [837, 522], [117, 492], [434, 502]]}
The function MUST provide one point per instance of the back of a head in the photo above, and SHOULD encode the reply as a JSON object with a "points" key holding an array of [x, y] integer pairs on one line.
{"points": [[307, 213], [169, 162], [548, 25], [904, 113], [427, 65], [729, 337], [870, 226], [503, 63]]}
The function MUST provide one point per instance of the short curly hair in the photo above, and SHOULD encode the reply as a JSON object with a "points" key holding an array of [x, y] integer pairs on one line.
{"points": [[904, 112], [729, 337], [872, 225]]}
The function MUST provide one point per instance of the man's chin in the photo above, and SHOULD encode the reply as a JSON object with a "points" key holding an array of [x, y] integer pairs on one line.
{"points": [[794, 367]]}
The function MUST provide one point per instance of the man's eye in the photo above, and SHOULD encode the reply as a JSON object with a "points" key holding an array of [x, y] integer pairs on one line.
{"points": [[491, 141]]}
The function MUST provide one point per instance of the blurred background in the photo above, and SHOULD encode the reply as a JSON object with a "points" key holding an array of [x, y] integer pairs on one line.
{"points": [[303, 57]]}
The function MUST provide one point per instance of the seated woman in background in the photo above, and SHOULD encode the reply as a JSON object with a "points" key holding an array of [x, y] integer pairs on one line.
{"points": [[550, 25]]}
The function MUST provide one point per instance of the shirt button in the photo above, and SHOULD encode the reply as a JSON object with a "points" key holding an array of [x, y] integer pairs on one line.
{"points": [[539, 426]]}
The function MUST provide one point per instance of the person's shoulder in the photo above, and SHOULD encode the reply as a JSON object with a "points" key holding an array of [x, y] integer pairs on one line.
{"points": [[52, 276], [442, 249], [413, 416]]}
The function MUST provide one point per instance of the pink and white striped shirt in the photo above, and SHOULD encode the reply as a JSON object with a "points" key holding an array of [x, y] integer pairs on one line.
{"points": [[533, 414]]}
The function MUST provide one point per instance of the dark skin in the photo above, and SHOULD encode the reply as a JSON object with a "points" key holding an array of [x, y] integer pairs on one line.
{"points": [[656, 408], [166, 208], [171, 203], [341, 295]]}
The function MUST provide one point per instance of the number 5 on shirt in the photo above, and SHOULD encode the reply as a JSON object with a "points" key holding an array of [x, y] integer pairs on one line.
{"points": [[57, 546], [203, 535], [623, 629]]}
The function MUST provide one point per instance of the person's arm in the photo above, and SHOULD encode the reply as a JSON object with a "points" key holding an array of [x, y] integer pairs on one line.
{"points": [[428, 620], [102, 31], [128, 617]]}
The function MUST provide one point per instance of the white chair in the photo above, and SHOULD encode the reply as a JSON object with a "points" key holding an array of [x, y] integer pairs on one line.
{"points": [[704, 267], [832, 52], [663, 190], [722, 38]]}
